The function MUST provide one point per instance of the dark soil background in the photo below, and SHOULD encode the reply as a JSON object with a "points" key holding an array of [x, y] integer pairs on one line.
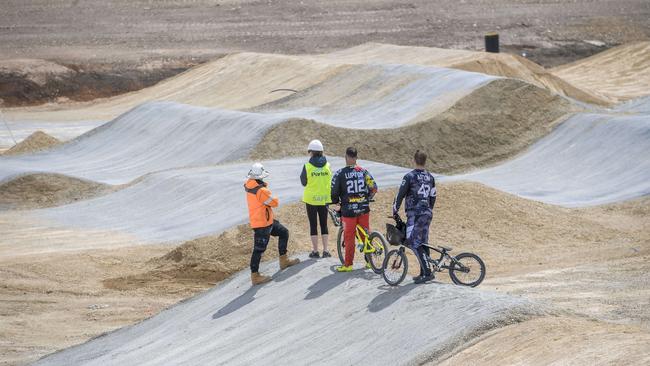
{"points": [[109, 40], [87, 82]]}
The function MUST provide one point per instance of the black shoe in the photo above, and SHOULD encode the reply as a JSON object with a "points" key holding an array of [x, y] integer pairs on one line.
{"points": [[326, 254], [314, 254], [424, 278]]}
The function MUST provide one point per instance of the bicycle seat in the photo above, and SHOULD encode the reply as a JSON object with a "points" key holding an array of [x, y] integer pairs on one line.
{"points": [[448, 249]]}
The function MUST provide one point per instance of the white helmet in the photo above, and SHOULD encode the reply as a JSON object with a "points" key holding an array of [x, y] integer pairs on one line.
{"points": [[315, 145], [258, 172]]}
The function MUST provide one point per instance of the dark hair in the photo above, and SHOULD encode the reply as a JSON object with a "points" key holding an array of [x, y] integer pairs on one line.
{"points": [[351, 152], [420, 158], [315, 153]]}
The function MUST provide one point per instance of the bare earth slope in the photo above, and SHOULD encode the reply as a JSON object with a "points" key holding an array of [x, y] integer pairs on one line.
{"points": [[499, 64], [558, 341], [627, 70]]}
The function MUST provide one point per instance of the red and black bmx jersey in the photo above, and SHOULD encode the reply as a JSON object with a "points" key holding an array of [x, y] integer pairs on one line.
{"points": [[353, 187]]}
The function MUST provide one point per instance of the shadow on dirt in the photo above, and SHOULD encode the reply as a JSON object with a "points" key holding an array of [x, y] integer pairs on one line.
{"points": [[291, 271], [389, 296], [327, 283], [248, 296]]}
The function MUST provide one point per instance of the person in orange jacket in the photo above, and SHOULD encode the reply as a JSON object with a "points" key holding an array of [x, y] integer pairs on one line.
{"points": [[260, 212]]}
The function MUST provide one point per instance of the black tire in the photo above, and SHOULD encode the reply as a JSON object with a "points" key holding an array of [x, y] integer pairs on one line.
{"points": [[340, 246], [395, 267], [474, 263], [376, 259]]}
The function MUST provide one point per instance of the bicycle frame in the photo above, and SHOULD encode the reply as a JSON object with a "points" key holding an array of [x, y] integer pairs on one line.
{"points": [[455, 265], [368, 248], [361, 235]]}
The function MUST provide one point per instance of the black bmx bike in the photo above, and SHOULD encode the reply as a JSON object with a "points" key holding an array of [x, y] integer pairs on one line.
{"points": [[466, 269]]}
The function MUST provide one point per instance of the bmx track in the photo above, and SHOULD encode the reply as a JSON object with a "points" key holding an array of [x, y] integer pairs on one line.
{"points": [[307, 315], [181, 150]]}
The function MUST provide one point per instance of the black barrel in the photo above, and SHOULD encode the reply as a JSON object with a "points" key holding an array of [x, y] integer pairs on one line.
{"points": [[492, 42]]}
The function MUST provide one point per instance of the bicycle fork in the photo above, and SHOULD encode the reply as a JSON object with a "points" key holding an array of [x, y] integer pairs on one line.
{"points": [[397, 262]]}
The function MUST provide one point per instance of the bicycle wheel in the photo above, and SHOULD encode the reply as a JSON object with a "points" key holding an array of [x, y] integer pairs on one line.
{"points": [[395, 267], [380, 244], [340, 246], [475, 270]]}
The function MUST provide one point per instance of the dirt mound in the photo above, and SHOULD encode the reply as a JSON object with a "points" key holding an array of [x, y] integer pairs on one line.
{"points": [[204, 260], [495, 122], [498, 64], [512, 234], [557, 341], [627, 68], [47, 190], [520, 68], [37, 141]]}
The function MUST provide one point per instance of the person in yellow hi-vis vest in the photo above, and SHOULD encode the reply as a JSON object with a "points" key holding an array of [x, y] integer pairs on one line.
{"points": [[316, 177]]}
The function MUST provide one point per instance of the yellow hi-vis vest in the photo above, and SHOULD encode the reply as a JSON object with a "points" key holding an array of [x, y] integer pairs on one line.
{"points": [[318, 191]]}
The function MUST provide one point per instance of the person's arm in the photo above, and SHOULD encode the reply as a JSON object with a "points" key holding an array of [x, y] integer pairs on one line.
{"points": [[303, 176], [267, 199], [335, 188], [401, 194], [432, 195], [371, 184]]}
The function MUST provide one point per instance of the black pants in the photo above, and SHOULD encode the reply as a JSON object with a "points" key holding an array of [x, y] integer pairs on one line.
{"points": [[261, 240], [312, 213], [422, 252]]}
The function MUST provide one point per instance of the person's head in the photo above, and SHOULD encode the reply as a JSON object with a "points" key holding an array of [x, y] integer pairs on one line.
{"points": [[420, 159], [257, 172], [315, 148], [351, 156]]}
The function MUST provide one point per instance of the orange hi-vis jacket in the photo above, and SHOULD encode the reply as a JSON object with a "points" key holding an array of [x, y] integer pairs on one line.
{"points": [[260, 202]]}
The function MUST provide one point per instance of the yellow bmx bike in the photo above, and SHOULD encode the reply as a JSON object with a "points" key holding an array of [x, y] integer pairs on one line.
{"points": [[373, 246]]}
